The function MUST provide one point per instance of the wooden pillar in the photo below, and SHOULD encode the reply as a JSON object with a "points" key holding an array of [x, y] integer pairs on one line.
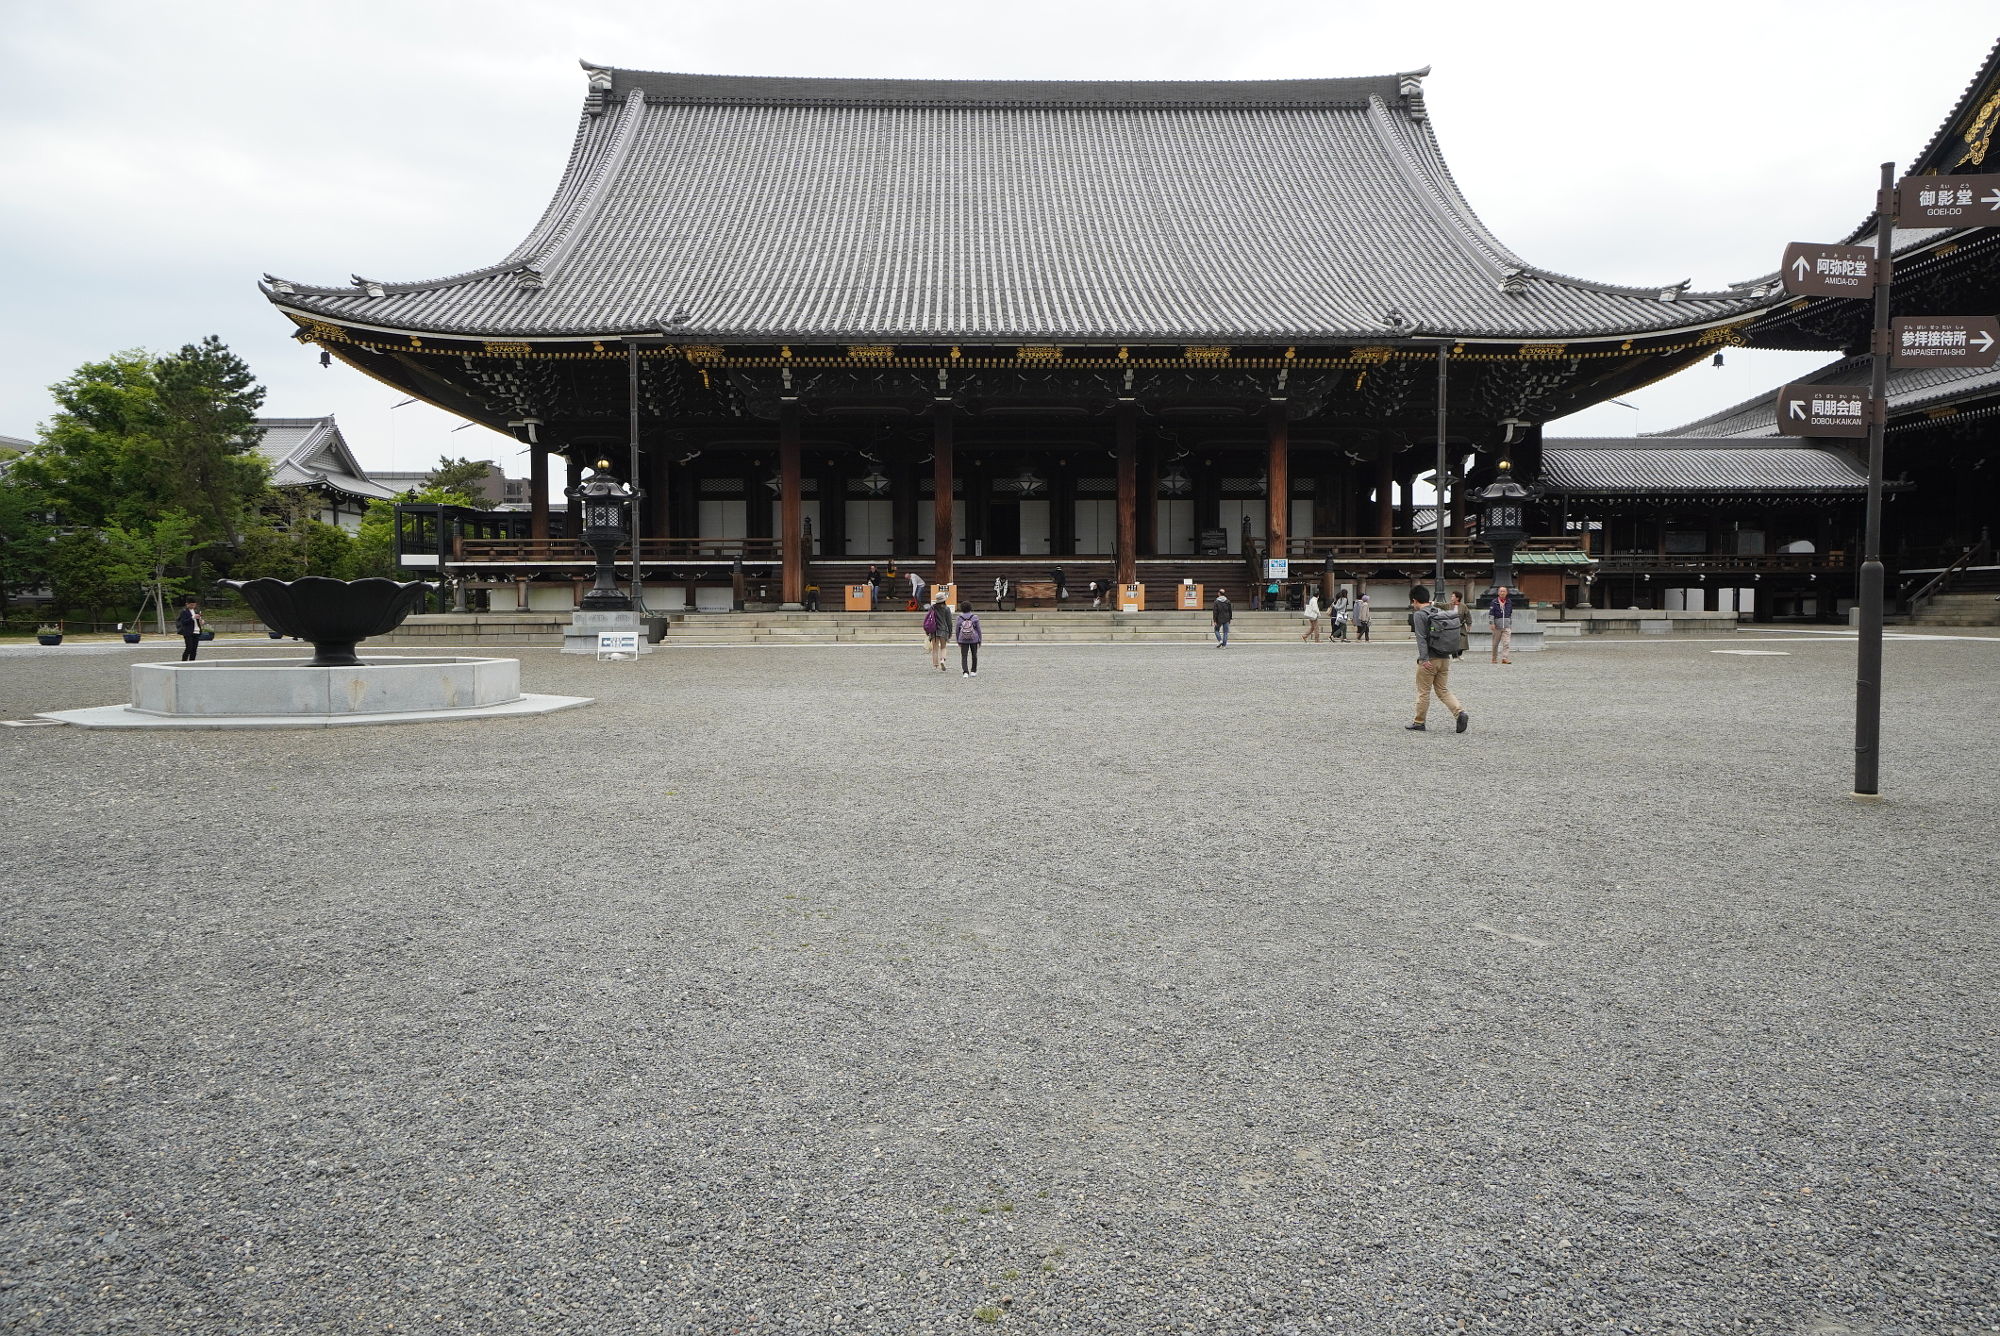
{"points": [[1149, 503], [791, 512], [659, 510], [538, 492], [1385, 496], [572, 479], [1277, 481], [1128, 492], [944, 538]]}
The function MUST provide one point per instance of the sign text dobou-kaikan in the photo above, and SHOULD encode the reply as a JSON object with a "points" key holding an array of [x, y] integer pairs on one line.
{"points": [[1823, 410]]}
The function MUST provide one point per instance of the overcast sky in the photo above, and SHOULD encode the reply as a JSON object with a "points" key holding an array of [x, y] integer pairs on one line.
{"points": [[156, 159]]}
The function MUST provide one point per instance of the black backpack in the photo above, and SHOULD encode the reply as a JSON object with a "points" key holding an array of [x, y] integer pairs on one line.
{"points": [[1447, 632]]}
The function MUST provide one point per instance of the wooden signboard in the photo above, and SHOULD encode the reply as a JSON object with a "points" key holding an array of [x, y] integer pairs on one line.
{"points": [[1132, 598], [858, 598], [1190, 597]]}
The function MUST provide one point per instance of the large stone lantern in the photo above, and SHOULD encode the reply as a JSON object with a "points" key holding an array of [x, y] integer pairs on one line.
{"points": [[602, 505], [1502, 524]]}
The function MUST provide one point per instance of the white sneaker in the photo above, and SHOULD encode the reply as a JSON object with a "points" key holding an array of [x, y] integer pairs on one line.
{"points": [[975, 672], [965, 674]]}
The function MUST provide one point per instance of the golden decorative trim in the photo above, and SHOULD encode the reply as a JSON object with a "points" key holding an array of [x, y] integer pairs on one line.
{"points": [[1207, 352], [508, 349], [1979, 135], [1038, 352], [871, 352], [1373, 356], [1543, 352], [1729, 334], [416, 342], [1935, 413], [702, 352], [326, 333]]}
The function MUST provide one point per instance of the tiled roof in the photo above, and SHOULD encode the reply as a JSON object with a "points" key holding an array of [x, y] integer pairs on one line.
{"points": [[1912, 390], [1541, 557], [743, 209], [311, 452], [1666, 464]]}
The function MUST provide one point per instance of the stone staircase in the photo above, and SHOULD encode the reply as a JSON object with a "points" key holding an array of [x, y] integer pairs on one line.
{"points": [[1961, 607], [1025, 627]]}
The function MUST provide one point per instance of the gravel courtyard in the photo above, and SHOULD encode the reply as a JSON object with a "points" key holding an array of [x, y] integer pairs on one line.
{"points": [[1119, 990]]}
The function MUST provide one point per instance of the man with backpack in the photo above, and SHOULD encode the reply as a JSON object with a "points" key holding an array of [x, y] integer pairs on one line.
{"points": [[1440, 636]]}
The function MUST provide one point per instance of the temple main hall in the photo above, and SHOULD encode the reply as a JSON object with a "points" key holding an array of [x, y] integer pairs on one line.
{"points": [[1148, 331]]}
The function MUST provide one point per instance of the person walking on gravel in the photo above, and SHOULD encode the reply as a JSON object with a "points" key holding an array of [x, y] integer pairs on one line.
{"points": [[1312, 618], [937, 630], [1343, 613], [969, 635], [1361, 618], [1440, 635], [1218, 618], [188, 624], [1500, 616]]}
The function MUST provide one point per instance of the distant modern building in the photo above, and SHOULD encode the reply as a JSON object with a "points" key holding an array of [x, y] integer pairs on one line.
{"points": [[310, 455], [496, 491]]}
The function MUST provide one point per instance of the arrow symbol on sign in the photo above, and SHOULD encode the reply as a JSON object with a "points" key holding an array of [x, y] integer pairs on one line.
{"points": [[1984, 340], [1798, 407], [1801, 268], [1992, 200]]}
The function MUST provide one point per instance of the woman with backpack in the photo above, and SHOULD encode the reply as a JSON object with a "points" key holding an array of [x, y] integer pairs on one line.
{"points": [[968, 636], [937, 630]]}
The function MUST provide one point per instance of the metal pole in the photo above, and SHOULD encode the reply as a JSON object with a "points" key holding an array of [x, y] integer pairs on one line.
{"points": [[1438, 511], [632, 479], [1868, 654]]}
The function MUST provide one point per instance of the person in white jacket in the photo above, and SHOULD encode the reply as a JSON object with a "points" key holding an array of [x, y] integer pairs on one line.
{"points": [[1312, 617]]}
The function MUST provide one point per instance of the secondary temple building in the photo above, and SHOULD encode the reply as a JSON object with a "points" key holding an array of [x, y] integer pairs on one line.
{"points": [[1143, 331]]}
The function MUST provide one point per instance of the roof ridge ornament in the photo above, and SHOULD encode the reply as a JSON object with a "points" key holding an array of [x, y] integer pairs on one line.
{"points": [[600, 77], [1673, 292], [1410, 84], [1514, 280], [367, 285]]}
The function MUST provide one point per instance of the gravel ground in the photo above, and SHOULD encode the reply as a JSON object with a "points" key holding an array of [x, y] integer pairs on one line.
{"points": [[1120, 990]]}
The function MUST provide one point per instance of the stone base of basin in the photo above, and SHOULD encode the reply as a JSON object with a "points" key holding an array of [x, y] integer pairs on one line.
{"points": [[291, 693]]}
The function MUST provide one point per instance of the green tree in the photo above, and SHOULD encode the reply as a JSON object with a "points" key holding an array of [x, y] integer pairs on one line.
{"points": [[94, 464], [152, 555], [136, 434], [25, 536], [207, 466], [374, 551], [465, 478], [81, 575]]}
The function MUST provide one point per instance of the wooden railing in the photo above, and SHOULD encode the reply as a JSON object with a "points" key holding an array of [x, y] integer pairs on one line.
{"points": [[1406, 548], [531, 551], [1939, 583], [1747, 563]]}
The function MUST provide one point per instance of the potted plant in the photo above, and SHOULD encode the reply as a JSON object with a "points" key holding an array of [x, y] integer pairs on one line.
{"points": [[131, 633], [49, 633]]}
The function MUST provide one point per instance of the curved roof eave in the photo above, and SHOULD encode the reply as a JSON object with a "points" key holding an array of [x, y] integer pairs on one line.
{"points": [[603, 140]]}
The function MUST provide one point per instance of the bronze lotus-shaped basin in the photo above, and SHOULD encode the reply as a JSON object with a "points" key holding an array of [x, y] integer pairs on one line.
{"points": [[332, 614]]}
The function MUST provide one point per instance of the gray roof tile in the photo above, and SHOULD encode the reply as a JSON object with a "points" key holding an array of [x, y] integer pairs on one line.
{"points": [[1911, 390], [927, 210], [1662, 464]]}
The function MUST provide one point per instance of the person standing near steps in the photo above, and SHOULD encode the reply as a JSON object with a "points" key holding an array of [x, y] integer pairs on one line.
{"points": [[968, 635], [1500, 616], [1440, 634], [1219, 617], [937, 630]]}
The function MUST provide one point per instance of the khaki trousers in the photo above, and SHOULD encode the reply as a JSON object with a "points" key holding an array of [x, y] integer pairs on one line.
{"points": [[1503, 640], [1435, 675]]}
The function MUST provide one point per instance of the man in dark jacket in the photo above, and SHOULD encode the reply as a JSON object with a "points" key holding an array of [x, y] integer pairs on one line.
{"points": [[1433, 664], [188, 624], [1219, 618]]}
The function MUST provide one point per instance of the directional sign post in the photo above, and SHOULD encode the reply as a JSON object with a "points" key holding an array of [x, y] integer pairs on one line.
{"points": [[1823, 410], [1950, 201], [1813, 270], [1945, 340]]}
